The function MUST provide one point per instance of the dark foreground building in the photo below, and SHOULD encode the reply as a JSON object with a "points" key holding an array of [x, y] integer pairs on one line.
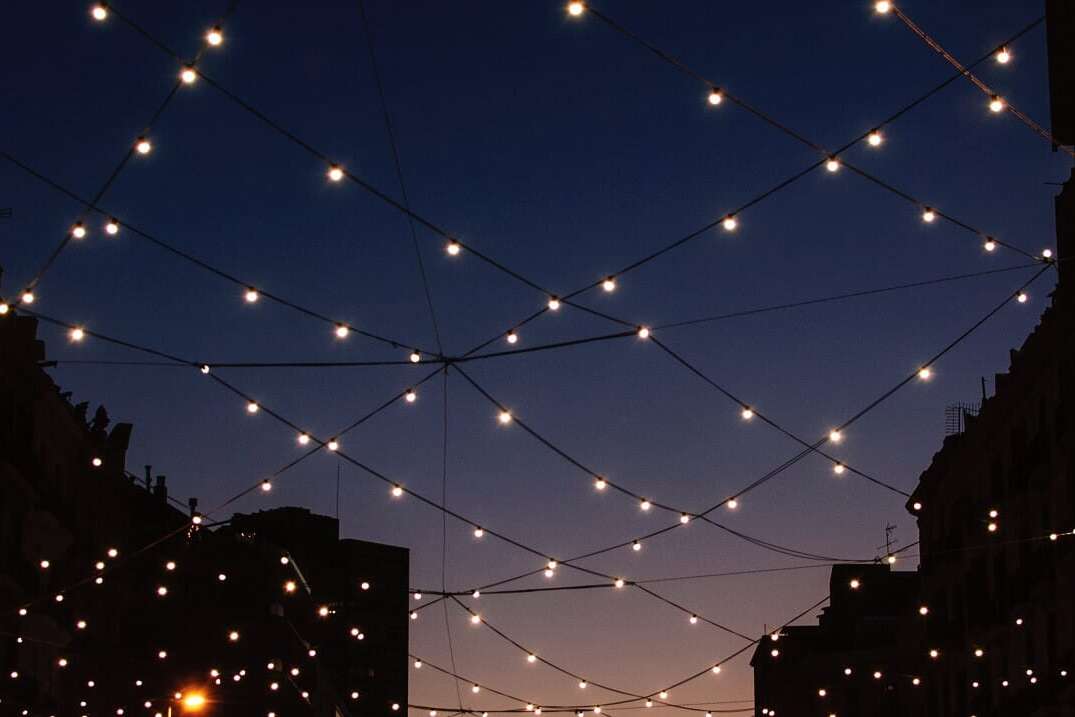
{"points": [[114, 600], [860, 659]]}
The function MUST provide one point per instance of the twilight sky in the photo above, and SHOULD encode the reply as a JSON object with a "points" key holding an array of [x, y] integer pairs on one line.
{"points": [[564, 151]]}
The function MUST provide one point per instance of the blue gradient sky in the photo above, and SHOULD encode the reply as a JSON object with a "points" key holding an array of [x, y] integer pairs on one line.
{"points": [[564, 151]]}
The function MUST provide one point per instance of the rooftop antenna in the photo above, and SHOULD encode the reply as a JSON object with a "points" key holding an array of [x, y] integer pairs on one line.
{"points": [[890, 541]]}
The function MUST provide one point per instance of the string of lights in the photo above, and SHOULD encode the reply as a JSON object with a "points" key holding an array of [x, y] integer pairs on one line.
{"points": [[78, 229], [1003, 56], [832, 161], [251, 294]]}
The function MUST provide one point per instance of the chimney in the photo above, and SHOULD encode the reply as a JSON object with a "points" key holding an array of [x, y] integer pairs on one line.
{"points": [[161, 489], [149, 481]]}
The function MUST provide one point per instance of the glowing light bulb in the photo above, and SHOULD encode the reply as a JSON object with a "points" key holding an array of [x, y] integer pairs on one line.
{"points": [[333, 445], [1022, 297], [822, 692], [415, 357], [835, 436], [554, 304], [78, 231], [62, 662], [928, 215], [478, 532], [27, 297], [747, 414], [113, 553], [916, 682], [221, 577], [990, 245], [732, 504], [303, 439], [993, 513], [582, 684], [838, 468], [609, 284], [205, 368], [715, 97], [979, 652], [99, 13], [411, 396], [855, 584], [476, 594], [512, 337], [847, 671], [504, 417], [215, 36], [475, 619], [76, 334], [170, 565], [925, 373], [96, 462], [397, 491], [342, 331], [882, 7], [551, 565], [645, 504], [453, 248], [290, 586], [252, 407], [251, 295], [715, 669], [112, 227], [992, 527], [475, 689], [414, 614], [996, 104], [891, 559], [636, 546], [619, 582], [730, 223], [875, 138], [143, 146], [417, 596], [684, 518], [45, 564], [600, 484], [934, 654], [576, 8], [643, 332], [916, 506], [188, 75], [663, 695], [161, 655], [4, 307], [1003, 56], [877, 675], [1047, 253], [1054, 537], [335, 173], [833, 165], [531, 658], [693, 619], [266, 485]]}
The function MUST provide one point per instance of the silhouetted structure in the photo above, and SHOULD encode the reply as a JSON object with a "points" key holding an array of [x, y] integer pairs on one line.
{"points": [[269, 613], [1060, 25], [860, 659]]}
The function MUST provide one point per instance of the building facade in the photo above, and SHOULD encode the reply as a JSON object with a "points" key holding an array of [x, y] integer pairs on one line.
{"points": [[117, 600]]}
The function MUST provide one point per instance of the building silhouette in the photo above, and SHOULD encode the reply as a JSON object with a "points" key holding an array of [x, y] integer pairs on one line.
{"points": [[115, 601]]}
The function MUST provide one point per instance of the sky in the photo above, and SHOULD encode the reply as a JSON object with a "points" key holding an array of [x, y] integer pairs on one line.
{"points": [[564, 151]]}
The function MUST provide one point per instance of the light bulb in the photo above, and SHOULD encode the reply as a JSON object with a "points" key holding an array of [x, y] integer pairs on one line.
{"points": [[992, 527], [453, 248], [575, 8], [600, 484], [512, 337], [397, 491], [504, 417], [916, 506], [847, 671], [4, 307], [747, 414], [77, 334], [822, 692], [663, 695], [335, 173], [978, 652], [924, 610], [143, 146], [1022, 297], [475, 689], [78, 231], [993, 513], [112, 227], [684, 518], [554, 304], [215, 36], [833, 165], [251, 295], [643, 332], [928, 215], [411, 396], [925, 373], [170, 565], [645, 504], [27, 297], [916, 681], [835, 436], [730, 223], [414, 614], [693, 619], [990, 245], [96, 462], [636, 546], [619, 582], [1047, 253], [478, 532], [342, 331], [609, 284], [531, 658], [582, 684], [838, 468], [882, 7], [205, 368], [875, 138], [476, 594], [188, 75], [996, 104], [266, 485], [855, 584], [252, 407], [891, 559], [113, 553], [45, 564], [877, 674], [1003, 56], [333, 445], [733, 504], [99, 13], [475, 619], [303, 439], [934, 654], [715, 97]]}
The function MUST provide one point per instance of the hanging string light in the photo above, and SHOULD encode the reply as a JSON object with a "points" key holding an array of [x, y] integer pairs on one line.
{"points": [[575, 8], [715, 97], [215, 36], [99, 13], [730, 223], [251, 295], [78, 231], [143, 146], [335, 173], [112, 227], [453, 248], [188, 75], [996, 104], [875, 138]]}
